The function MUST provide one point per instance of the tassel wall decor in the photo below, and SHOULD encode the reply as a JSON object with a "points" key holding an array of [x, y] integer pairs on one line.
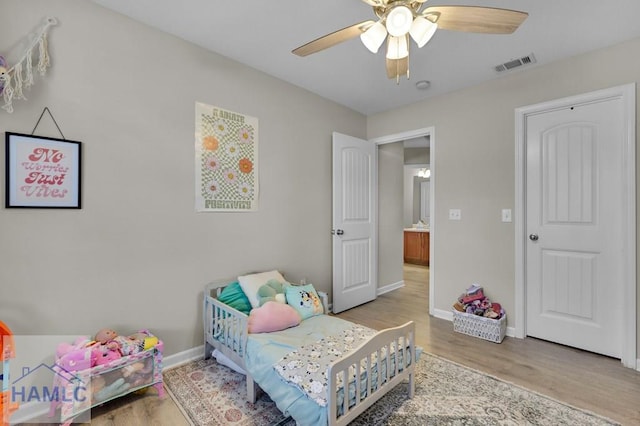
{"points": [[20, 76]]}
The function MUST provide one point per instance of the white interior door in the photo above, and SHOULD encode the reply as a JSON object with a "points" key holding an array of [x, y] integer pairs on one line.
{"points": [[575, 222], [354, 220]]}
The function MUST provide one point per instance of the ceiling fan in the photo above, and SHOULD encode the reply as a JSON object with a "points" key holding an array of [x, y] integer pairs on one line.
{"points": [[400, 19]]}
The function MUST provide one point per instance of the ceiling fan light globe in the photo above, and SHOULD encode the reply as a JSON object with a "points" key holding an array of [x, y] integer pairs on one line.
{"points": [[374, 36], [422, 30], [399, 21], [397, 47]]}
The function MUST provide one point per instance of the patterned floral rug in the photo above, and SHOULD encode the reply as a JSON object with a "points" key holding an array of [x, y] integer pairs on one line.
{"points": [[446, 394]]}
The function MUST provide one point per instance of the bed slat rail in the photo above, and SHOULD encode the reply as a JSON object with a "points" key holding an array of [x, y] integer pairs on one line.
{"points": [[225, 329], [385, 360], [225, 326]]}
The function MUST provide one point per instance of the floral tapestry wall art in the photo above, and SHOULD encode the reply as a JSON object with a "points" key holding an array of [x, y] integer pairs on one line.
{"points": [[226, 160]]}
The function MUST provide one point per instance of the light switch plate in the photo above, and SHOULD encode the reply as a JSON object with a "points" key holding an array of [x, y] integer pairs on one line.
{"points": [[506, 215]]}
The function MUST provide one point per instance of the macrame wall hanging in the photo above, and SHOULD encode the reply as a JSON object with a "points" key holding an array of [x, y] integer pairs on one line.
{"points": [[19, 76]]}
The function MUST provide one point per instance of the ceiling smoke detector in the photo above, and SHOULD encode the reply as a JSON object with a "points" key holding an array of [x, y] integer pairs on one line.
{"points": [[423, 84], [515, 63]]}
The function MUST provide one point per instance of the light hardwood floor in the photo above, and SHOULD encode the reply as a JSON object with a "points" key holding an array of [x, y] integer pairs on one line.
{"points": [[582, 379]]}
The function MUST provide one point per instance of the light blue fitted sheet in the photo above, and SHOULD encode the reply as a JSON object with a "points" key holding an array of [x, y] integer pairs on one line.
{"points": [[264, 350]]}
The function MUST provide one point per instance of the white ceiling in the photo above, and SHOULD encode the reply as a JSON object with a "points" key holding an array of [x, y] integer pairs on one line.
{"points": [[261, 34]]}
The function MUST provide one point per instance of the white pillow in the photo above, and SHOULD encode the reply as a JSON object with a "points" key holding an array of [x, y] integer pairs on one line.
{"points": [[251, 283]]}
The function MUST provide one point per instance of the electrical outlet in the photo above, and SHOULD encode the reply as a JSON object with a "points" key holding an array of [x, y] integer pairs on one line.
{"points": [[455, 214], [506, 215]]}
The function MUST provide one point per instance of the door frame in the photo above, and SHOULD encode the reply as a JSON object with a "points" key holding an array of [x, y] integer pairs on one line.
{"points": [[627, 93], [411, 134]]}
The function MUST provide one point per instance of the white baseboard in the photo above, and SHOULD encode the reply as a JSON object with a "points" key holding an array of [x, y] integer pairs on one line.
{"points": [[442, 314], [183, 357], [390, 287]]}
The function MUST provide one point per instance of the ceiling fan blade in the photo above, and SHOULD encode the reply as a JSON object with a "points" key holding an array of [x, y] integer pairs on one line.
{"points": [[332, 39], [476, 19], [397, 67]]}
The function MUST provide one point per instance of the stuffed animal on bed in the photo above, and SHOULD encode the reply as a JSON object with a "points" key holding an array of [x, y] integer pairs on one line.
{"points": [[305, 300], [251, 283], [272, 291]]}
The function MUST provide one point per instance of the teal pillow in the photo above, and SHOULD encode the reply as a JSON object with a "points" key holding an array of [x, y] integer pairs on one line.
{"points": [[304, 299], [233, 296]]}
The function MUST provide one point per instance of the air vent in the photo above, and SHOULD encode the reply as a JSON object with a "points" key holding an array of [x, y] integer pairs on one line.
{"points": [[515, 63]]}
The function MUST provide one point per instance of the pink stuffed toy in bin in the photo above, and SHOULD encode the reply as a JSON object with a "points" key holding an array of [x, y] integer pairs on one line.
{"points": [[77, 356]]}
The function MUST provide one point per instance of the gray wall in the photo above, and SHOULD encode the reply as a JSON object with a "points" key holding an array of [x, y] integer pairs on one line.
{"points": [[137, 254], [416, 156], [390, 212], [474, 153]]}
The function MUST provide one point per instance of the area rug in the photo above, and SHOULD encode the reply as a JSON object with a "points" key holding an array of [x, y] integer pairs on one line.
{"points": [[446, 394]]}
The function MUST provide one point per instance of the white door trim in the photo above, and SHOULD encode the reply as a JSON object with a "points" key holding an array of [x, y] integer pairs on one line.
{"points": [[411, 134], [628, 94]]}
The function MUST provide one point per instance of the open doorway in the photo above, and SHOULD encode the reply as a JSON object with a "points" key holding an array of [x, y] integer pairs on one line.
{"points": [[416, 205], [418, 136]]}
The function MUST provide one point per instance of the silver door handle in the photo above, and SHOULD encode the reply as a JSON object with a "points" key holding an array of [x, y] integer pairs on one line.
{"points": [[533, 237]]}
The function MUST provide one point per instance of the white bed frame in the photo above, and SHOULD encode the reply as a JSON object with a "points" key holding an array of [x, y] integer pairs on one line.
{"points": [[225, 329]]}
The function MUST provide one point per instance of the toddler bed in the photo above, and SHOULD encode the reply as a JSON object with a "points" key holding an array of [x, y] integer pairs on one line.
{"points": [[304, 368]]}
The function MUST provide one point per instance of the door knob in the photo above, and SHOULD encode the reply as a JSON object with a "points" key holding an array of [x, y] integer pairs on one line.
{"points": [[533, 237], [340, 232]]}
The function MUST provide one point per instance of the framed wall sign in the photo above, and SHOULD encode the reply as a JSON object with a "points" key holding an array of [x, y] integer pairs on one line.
{"points": [[42, 172]]}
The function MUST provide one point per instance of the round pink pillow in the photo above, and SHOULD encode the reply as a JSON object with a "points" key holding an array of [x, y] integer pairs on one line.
{"points": [[272, 316]]}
